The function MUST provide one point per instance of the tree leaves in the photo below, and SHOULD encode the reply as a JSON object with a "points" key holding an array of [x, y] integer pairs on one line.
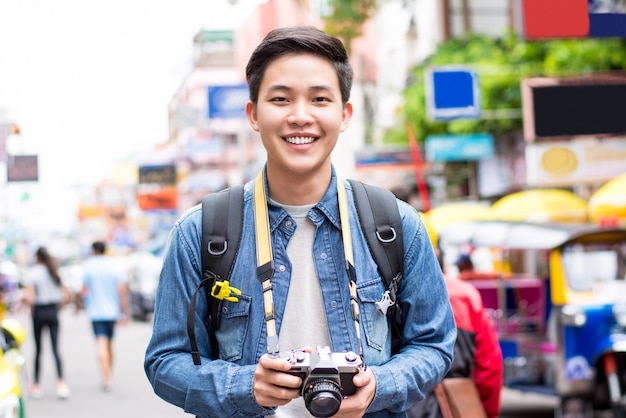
{"points": [[501, 64]]}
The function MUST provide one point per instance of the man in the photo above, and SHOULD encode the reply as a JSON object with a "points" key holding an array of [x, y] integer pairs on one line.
{"points": [[299, 81], [106, 303], [477, 352]]}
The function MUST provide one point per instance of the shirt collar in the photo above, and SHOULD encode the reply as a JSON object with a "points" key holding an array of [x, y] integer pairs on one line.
{"points": [[328, 205]]}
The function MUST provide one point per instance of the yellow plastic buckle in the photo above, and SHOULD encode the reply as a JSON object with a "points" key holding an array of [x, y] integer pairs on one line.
{"points": [[222, 291]]}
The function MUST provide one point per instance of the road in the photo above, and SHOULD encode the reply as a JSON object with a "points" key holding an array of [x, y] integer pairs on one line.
{"points": [[132, 395]]}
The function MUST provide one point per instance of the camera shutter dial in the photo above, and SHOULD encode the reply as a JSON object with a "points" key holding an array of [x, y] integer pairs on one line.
{"points": [[351, 357]]}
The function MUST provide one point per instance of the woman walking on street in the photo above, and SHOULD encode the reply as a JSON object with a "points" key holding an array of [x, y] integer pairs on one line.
{"points": [[46, 294]]}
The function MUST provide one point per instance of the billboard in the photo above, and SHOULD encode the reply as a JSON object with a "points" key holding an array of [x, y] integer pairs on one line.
{"points": [[164, 174], [573, 106], [158, 198], [22, 168], [574, 162], [227, 102], [574, 18], [452, 92], [459, 147]]}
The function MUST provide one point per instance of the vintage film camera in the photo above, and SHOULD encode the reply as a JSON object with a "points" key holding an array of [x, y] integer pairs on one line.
{"points": [[326, 377]]}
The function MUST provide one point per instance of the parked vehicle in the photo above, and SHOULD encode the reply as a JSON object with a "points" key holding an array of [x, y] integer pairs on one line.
{"points": [[12, 361], [144, 267], [557, 295]]}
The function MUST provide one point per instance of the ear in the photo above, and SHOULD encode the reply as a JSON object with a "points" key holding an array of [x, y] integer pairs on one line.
{"points": [[251, 113], [346, 116]]}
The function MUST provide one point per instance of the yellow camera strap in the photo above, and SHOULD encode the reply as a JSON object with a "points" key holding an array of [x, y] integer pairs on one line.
{"points": [[265, 262], [347, 249]]}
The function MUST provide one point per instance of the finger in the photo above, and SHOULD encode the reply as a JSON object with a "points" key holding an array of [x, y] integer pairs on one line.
{"points": [[272, 386], [361, 379], [355, 405], [271, 395], [274, 363], [275, 371], [352, 406]]}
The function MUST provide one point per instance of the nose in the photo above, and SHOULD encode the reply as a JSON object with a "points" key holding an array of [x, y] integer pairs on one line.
{"points": [[300, 114]]}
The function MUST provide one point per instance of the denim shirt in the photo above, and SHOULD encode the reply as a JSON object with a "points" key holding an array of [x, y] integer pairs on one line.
{"points": [[223, 387]]}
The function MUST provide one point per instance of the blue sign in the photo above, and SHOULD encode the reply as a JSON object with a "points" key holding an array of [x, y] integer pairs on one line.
{"points": [[227, 102], [452, 93], [459, 147]]}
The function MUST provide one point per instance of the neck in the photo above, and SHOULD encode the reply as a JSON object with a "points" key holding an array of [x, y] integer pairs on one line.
{"points": [[296, 190]]}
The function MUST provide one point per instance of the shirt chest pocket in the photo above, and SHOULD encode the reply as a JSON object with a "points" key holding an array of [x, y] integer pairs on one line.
{"points": [[375, 324], [234, 324]]}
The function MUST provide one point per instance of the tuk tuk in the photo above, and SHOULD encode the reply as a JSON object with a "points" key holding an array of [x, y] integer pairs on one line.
{"points": [[557, 296]]}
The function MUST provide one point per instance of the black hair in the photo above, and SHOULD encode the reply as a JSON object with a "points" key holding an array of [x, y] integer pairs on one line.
{"points": [[98, 247], [294, 41], [44, 257]]}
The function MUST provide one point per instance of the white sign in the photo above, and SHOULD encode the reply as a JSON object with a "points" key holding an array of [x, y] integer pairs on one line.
{"points": [[583, 160]]}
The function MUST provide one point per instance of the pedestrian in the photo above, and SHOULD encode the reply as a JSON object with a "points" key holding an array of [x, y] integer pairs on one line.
{"points": [[465, 265], [106, 303], [477, 353], [46, 295], [299, 80]]}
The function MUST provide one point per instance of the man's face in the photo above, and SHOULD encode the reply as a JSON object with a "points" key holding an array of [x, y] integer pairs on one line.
{"points": [[299, 114]]}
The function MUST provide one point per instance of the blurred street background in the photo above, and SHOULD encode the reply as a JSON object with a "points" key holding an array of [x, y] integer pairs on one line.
{"points": [[131, 396]]}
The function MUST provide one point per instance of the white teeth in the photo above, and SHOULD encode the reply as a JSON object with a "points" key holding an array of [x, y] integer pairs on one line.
{"points": [[298, 140]]}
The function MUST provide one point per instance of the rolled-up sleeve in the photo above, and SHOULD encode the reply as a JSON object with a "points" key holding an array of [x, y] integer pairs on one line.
{"points": [[216, 388]]}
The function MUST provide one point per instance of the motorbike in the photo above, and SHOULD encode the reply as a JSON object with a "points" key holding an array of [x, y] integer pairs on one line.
{"points": [[556, 294], [12, 335]]}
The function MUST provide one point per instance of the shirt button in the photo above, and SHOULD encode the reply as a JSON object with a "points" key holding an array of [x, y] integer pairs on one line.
{"points": [[333, 303], [281, 268], [324, 256], [288, 224]]}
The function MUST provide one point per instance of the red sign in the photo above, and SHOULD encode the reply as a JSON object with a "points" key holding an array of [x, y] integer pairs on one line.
{"points": [[162, 198], [573, 18], [556, 18]]}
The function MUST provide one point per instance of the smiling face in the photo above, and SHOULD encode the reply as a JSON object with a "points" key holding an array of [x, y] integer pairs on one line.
{"points": [[299, 115]]}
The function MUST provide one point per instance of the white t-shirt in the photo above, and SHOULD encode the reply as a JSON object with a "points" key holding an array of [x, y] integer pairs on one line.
{"points": [[47, 291], [304, 321]]}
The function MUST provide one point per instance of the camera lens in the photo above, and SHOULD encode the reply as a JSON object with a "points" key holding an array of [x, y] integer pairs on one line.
{"points": [[322, 397]]}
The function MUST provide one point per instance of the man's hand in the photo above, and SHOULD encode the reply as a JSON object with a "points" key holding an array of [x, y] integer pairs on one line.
{"points": [[271, 385], [355, 405]]}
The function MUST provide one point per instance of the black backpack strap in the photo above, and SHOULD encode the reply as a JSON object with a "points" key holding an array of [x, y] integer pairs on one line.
{"points": [[222, 225], [378, 213]]}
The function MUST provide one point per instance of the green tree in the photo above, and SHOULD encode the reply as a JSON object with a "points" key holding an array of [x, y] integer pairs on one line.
{"points": [[346, 18], [501, 64]]}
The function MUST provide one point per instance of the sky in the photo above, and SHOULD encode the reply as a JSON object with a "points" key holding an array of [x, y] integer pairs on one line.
{"points": [[88, 83]]}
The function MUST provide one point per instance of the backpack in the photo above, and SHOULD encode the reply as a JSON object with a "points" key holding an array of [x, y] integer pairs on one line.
{"points": [[222, 223]]}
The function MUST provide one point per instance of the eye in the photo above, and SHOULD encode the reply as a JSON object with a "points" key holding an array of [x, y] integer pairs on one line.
{"points": [[322, 99], [278, 99]]}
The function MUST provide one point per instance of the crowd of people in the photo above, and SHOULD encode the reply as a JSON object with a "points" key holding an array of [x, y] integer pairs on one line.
{"points": [[42, 291]]}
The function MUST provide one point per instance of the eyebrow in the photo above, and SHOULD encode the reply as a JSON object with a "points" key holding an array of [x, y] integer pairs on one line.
{"points": [[282, 87]]}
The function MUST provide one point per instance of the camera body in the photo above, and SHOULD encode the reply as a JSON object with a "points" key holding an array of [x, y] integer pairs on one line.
{"points": [[326, 377]]}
